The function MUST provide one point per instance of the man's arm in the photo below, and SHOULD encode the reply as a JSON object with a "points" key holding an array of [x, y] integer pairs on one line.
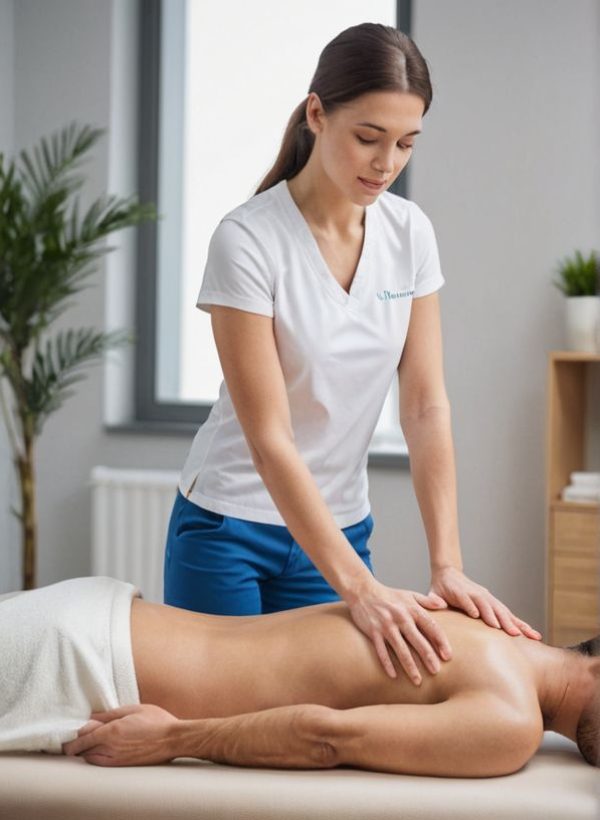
{"points": [[473, 735]]}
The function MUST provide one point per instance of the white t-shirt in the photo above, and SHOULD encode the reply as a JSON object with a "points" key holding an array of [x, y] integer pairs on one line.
{"points": [[339, 351]]}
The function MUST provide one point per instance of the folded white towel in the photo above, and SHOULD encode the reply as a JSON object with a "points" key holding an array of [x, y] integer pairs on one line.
{"points": [[585, 479], [65, 651], [584, 494]]}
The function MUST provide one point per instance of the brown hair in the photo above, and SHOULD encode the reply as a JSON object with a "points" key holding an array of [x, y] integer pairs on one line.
{"points": [[362, 58], [588, 728]]}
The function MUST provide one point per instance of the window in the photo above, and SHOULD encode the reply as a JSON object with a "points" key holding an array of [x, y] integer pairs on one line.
{"points": [[214, 104]]}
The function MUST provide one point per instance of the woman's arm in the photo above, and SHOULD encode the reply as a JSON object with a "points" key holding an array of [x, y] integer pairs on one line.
{"points": [[252, 370], [251, 367], [425, 421]]}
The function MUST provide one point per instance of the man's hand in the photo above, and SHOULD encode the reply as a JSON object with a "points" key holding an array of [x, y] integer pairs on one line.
{"points": [[456, 589], [136, 735], [399, 618]]}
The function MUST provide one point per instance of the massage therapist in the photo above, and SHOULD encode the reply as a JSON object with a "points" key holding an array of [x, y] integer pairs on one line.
{"points": [[321, 288]]}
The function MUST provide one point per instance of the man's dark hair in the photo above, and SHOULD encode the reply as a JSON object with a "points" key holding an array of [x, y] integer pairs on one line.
{"points": [[591, 647], [588, 728]]}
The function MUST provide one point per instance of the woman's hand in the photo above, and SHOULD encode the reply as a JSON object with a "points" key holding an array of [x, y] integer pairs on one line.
{"points": [[136, 735], [456, 589], [399, 618]]}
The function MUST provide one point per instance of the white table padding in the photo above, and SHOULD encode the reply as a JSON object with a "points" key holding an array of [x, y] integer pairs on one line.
{"points": [[556, 784]]}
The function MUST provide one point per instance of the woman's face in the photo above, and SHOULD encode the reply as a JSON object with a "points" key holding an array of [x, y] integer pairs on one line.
{"points": [[370, 138]]}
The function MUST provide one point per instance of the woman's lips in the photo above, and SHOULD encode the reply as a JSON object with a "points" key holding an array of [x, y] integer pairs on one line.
{"points": [[372, 186]]}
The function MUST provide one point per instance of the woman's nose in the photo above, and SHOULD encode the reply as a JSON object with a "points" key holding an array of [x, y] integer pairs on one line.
{"points": [[384, 163]]}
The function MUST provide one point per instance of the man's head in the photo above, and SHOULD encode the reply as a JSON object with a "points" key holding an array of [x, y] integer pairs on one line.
{"points": [[588, 726]]}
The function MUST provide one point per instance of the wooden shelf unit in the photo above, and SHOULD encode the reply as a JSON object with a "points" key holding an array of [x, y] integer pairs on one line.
{"points": [[573, 529]]}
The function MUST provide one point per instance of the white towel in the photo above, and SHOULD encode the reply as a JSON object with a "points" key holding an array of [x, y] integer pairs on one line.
{"points": [[585, 479], [583, 494], [65, 651]]}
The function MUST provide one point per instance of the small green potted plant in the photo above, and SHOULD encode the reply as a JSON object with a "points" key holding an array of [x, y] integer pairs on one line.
{"points": [[579, 280]]}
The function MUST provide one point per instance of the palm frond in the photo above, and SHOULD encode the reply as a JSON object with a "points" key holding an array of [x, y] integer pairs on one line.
{"points": [[53, 163], [57, 367], [46, 255]]}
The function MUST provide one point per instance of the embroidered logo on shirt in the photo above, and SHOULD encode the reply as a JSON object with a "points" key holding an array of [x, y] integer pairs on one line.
{"points": [[386, 295]]}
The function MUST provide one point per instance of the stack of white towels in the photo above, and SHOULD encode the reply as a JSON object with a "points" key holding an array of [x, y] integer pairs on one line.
{"points": [[584, 487]]}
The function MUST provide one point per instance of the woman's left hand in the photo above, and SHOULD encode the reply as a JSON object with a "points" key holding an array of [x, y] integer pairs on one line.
{"points": [[453, 586]]}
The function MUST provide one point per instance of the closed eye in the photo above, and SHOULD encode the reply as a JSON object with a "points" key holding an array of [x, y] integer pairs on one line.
{"points": [[370, 142]]}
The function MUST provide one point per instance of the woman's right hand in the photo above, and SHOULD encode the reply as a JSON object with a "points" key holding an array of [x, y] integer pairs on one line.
{"points": [[398, 618]]}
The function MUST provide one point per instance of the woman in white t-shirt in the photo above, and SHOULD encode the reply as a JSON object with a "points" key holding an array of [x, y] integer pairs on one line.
{"points": [[321, 288]]}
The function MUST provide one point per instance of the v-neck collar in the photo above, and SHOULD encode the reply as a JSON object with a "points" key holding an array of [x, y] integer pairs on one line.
{"points": [[311, 247]]}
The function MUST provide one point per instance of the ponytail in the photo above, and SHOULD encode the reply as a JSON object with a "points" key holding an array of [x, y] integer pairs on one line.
{"points": [[296, 147]]}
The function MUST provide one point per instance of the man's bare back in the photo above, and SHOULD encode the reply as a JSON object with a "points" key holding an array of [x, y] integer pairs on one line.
{"points": [[196, 665], [305, 689]]}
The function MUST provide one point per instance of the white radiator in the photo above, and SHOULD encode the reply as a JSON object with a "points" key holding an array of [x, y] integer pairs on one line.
{"points": [[130, 515]]}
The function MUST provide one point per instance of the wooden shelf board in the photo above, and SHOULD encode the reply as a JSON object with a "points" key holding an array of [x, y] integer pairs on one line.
{"points": [[573, 356], [575, 506]]}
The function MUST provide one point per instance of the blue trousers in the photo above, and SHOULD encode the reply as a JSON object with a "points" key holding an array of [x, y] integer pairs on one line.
{"points": [[224, 565]]}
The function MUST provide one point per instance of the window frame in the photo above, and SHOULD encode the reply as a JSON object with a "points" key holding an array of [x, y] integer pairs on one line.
{"points": [[150, 414]]}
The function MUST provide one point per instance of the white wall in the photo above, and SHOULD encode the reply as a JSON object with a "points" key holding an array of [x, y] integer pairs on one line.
{"points": [[507, 169]]}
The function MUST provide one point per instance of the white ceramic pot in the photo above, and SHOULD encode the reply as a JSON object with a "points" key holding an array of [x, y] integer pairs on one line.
{"points": [[583, 323]]}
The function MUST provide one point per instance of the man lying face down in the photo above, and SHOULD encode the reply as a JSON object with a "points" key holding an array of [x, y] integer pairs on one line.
{"points": [[296, 689]]}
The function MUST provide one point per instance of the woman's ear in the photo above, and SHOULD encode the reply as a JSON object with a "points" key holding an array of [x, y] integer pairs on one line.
{"points": [[314, 112]]}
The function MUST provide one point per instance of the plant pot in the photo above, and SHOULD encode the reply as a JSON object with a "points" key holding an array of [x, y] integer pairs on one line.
{"points": [[583, 323]]}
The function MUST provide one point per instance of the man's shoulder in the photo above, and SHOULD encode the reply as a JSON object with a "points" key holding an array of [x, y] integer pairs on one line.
{"points": [[488, 662], [498, 683], [511, 728]]}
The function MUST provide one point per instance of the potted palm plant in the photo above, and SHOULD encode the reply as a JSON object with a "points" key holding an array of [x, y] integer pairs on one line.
{"points": [[579, 280], [47, 254]]}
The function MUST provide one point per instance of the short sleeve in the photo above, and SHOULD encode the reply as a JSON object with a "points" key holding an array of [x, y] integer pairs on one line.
{"points": [[237, 272], [428, 273]]}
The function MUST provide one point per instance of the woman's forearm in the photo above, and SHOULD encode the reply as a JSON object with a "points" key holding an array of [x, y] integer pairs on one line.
{"points": [[283, 737], [309, 520], [432, 466]]}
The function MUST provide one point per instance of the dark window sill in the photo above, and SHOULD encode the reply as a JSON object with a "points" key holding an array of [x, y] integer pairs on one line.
{"points": [[189, 429], [186, 429], [389, 461]]}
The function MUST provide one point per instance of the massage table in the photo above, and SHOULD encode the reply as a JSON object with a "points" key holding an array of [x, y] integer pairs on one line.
{"points": [[556, 784]]}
